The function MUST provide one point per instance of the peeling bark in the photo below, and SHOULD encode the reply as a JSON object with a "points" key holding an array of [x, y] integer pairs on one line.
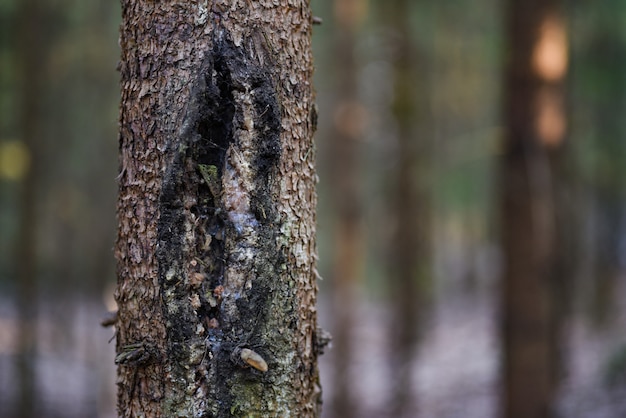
{"points": [[216, 250]]}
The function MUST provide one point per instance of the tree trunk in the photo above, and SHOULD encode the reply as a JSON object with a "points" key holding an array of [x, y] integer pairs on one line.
{"points": [[409, 203], [216, 248], [603, 61], [346, 174], [30, 51], [534, 116]]}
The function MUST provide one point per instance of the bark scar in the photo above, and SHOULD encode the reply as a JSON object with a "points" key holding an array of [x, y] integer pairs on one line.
{"points": [[218, 221]]}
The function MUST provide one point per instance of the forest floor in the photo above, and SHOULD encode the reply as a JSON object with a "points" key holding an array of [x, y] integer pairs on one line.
{"points": [[74, 367], [455, 372], [456, 369]]}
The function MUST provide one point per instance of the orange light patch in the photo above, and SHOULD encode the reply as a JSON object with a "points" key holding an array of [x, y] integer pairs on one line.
{"points": [[550, 55], [550, 117]]}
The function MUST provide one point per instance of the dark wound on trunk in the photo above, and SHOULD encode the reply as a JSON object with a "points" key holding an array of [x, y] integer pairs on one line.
{"points": [[217, 248]]}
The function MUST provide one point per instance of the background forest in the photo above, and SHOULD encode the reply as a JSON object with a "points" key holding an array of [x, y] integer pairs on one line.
{"points": [[411, 162]]}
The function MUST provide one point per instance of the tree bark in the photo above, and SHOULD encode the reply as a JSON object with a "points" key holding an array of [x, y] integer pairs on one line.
{"points": [[216, 249], [535, 121]]}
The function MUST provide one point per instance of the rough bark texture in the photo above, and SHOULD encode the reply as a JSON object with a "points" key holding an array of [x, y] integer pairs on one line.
{"points": [[535, 133], [216, 250]]}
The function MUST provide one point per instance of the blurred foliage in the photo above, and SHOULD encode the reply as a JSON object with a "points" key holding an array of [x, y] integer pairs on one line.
{"points": [[14, 160], [458, 79], [78, 140]]}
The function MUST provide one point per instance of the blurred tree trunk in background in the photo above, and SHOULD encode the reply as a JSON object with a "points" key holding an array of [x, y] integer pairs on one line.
{"points": [[409, 205], [534, 116], [345, 168], [30, 53], [216, 247], [99, 187], [601, 67]]}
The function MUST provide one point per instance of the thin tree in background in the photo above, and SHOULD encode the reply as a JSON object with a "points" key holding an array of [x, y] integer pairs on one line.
{"points": [[348, 120], [216, 250], [535, 131], [30, 51], [409, 204], [601, 65]]}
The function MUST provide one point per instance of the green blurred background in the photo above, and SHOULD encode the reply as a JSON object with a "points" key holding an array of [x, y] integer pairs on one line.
{"points": [[382, 200]]}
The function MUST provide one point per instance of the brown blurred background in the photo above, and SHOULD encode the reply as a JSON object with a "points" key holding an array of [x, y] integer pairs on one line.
{"points": [[471, 226]]}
